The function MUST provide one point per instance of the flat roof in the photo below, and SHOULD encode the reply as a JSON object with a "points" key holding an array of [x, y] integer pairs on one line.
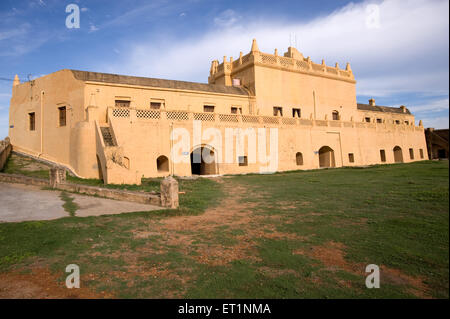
{"points": [[156, 83], [379, 108]]}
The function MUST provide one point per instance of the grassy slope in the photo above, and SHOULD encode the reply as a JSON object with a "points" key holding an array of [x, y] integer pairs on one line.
{"points": [[395, 215]]}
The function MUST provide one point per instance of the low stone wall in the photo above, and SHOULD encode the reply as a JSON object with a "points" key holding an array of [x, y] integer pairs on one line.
{"points": [[143, 198], [5, 151], [15, 178]]}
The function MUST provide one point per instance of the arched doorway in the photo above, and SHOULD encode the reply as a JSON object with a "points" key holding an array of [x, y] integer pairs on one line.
{"points": [[326, 157], [162, 164], [100, 171], [398, 155], [203, 161]]}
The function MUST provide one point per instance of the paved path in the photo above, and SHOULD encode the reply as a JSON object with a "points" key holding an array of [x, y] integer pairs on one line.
{"points": [[24, 202]]}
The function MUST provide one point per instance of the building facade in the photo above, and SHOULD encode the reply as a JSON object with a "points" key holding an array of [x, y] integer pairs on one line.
{"points": [[437, 143], [300, 114]]}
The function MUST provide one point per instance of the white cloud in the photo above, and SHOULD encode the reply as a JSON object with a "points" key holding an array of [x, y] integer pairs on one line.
{"points": [[407, 53], [84, 9], [436, 122], [432, 106], [226, 19], [93, 28], [16, 32]]}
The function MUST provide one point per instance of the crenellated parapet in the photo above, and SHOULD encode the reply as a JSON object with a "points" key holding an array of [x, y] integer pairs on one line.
{"points": [[292, 61]]}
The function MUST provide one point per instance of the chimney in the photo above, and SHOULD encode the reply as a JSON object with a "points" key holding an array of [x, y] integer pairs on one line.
{"points": [[372, 102]]}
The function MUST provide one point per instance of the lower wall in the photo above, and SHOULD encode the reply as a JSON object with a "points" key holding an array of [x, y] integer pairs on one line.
{"points": [[143, 198], [351, 143]]}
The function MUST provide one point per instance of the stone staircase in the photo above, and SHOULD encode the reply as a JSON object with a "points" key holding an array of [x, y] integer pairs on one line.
{"points": [[107, 136]]}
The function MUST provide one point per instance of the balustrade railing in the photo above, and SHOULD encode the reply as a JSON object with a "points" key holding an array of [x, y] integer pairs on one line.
{"points": [[249, 120]]}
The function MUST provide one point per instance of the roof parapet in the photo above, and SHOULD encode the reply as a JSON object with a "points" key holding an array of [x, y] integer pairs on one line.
{"points": [[292, 60], [16, 80], [254, 46]]}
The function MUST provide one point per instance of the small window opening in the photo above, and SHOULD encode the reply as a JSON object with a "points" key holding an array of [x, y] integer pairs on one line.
{"points": [[208, 108], [32, 121], [367, 119], [335, 116], [299, 158], [243, 161], [383, 155], [351, 157], [122, 103], [155, 105], [296, 113], [62, 115], [236, 110], [411, 153], [379, 121], [277, 111], [421, 153]]}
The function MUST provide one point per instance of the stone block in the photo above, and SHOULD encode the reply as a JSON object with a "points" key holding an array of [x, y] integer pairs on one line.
{"points": [[169, 192]]}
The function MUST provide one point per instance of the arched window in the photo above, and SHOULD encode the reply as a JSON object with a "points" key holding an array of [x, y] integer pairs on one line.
{"points": [[162, 164], [335, 116], [299, 158]]}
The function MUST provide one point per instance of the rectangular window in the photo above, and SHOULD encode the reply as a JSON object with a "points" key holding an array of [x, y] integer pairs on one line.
{"points": [[32, 121], [411, 153], [236, 110], [421, 153], [379, 121], [122, 103], [236, 82], [383, 155], [367, 119], [397, 122], [62, 115], [243, 161], [351, 158], [296, 113], [277, 111], [155, 105], [208, 108], [407, 122]]}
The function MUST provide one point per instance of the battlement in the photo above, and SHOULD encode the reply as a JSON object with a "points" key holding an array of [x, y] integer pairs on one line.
{"points": [[292, 61]]}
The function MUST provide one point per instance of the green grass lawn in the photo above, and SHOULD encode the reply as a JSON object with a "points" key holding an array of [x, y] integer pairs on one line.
{"points": [[299, 234]]}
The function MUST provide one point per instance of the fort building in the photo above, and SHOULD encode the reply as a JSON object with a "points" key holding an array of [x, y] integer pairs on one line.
{"points": [[121, 128]]}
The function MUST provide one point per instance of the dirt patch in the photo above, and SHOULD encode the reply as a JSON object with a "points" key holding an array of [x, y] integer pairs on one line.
{"points": [[331, 255], [415, 284], [231, 212], [273, 273], [41, 284]]}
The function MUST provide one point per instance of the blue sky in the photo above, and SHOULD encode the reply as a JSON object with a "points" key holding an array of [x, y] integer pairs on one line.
{"points": [[401, 57]]}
